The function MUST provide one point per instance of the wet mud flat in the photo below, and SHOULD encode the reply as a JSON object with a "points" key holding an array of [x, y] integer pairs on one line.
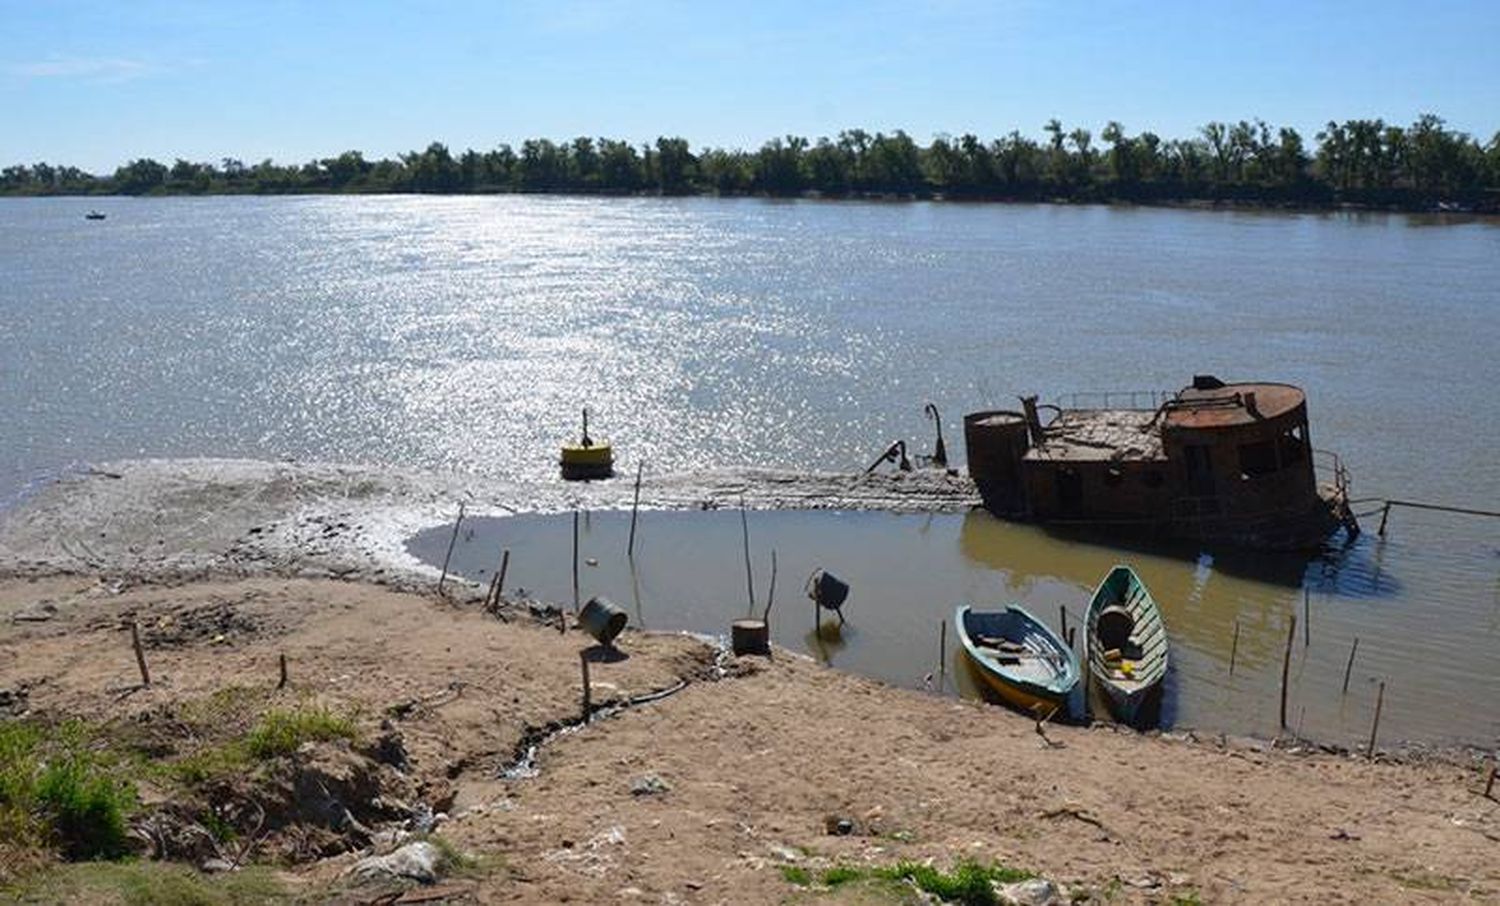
{"points": [[178, 517]]}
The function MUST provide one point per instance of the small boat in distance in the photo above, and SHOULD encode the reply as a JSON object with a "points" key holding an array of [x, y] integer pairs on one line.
{"points": [[1018, 658], [93, 215], [1126, 642]]}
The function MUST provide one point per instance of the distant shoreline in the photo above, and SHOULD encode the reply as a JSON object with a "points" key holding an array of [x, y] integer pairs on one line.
{"points": [[1485, 209]]}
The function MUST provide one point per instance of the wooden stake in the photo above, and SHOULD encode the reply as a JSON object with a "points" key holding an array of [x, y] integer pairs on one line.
{"points": [[1234, 647], [635, 508], [1375, 726], [575, 561], [140, 654], [588, 692], [500, 578], [451, 541], [1286, 666], [1384, 515], [281, 683], [1349, 667], [770, 595], [749, 573], [943, 656], [1306, 616]]}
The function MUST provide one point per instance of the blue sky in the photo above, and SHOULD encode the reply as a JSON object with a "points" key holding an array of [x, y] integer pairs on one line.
{"points": [[96, 83]]}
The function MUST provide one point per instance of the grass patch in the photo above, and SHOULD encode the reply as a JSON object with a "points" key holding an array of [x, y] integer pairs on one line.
{"points": [[60, 788], [1190, 898], [281, 732], [969, 883], [149, 884]]}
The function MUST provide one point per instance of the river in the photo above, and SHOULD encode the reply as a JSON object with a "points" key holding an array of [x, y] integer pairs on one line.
{"points": [[464, 334]]}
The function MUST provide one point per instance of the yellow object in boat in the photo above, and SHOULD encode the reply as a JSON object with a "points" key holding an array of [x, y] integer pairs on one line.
{"points": [[1127, 668]]}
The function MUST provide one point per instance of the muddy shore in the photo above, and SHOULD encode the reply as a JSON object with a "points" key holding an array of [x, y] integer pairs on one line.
{"points": [[730, 781]]}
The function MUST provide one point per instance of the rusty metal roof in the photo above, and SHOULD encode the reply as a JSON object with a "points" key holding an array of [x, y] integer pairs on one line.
{"points": [[1224, 407], [1101, 435]]}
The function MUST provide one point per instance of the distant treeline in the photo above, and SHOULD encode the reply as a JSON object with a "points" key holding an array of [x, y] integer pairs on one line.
{"points": [[1365, 162]]}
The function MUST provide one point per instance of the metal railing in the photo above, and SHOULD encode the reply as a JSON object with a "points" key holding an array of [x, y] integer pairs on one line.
{"points": [[1143, 400]]}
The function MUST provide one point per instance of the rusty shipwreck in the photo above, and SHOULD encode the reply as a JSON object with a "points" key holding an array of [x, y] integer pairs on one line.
{"points": [[1220, 463]]}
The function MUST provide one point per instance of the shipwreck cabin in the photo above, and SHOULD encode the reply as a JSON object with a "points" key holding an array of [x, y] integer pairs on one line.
{"points": [[1216, 462]]}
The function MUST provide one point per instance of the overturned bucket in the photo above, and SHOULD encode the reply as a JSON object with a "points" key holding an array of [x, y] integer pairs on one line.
{"points": [[750, 637], [601, 619], [827, 589]]}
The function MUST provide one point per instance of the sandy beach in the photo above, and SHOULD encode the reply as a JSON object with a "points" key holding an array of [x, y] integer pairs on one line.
{"points": [[702, 778]]}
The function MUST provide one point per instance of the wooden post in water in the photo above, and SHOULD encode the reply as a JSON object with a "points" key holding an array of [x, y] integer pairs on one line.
{"points": [[635, 508], [1306, 616], [500, 579], [588, 692], [749, 572], [140, 654], [943, 656], [281, 683], [1349, 667], [1375, 726], [1234, 647], [1385, 514], [575, 561], [1286, 666], [451, 541]]}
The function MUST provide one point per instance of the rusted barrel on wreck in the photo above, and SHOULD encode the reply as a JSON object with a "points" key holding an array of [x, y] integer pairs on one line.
{"points": [[995, 442]]}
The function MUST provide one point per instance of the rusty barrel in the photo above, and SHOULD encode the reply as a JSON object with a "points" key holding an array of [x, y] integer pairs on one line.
{"points": [[750, 637], [603, 620], [995, 441]]}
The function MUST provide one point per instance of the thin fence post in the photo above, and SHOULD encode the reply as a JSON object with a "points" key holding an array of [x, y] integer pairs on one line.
{"points": [[1306, 616], [943, 656], [1375, 726], [1349, 667], [451, 541], [281, 683], [140, 653], [1234, 647], [749, 572], [1286, 666], [635, 507], [500, 579], [588, 692]]}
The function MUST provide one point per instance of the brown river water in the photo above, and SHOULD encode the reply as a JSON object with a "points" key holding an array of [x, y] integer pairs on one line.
{"points": [[1425, 637]]}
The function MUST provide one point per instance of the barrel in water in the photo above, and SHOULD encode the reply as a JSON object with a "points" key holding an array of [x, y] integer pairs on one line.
{"points": [[996, 441], [601, 619]]}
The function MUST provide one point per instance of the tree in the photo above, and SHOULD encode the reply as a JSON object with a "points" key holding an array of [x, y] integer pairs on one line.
{"points": [[140, 176]]}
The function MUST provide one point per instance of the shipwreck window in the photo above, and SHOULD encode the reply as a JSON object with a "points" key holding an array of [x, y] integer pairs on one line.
{"points": [[1258, 459], [1293, 446]]}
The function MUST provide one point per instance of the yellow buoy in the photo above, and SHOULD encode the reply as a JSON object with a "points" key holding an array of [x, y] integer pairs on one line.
{"points": [[588, 458]]}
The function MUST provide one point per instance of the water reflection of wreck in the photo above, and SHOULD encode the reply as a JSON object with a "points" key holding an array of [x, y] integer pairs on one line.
{"points": [[1220, 463]]}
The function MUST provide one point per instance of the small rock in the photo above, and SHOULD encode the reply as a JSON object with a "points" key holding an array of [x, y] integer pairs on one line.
{"points": [[648, 785], [1033, 892], [214, 866], [784, 853], [415, 861]]}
